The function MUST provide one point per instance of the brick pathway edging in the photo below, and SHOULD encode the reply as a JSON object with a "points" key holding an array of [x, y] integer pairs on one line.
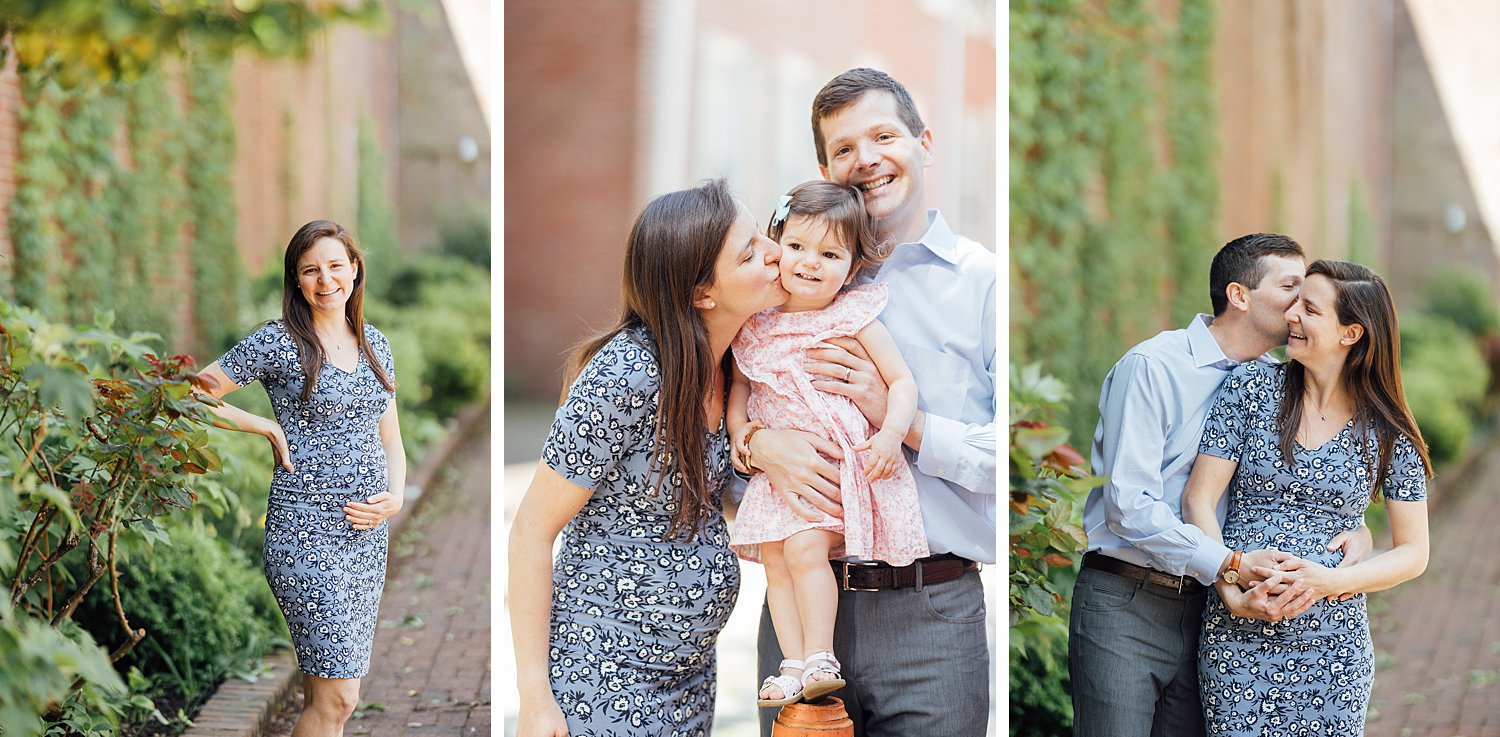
{"points": [[241, 709]]}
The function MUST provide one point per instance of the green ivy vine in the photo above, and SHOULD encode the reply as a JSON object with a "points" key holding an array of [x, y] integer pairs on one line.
{"points": [[375, 221], [1113, 182], [219, 285], [105, 188]]}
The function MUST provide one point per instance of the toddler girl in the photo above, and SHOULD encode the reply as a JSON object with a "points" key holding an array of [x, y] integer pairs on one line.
{"points": [[826, 238]]}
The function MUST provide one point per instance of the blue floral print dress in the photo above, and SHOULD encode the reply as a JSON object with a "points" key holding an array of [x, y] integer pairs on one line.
{"points": [[635, 616], [1311, 674], [326, 575]]}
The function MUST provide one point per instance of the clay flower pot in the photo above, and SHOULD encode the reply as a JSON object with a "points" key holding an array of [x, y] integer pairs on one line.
{"points": [[822, 718]]}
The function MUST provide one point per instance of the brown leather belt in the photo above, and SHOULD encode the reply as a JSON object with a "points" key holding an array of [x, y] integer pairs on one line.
{"points": [[1150, 576], [878, 576]]}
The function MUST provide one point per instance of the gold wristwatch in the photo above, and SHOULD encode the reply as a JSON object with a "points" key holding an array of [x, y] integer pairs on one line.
{"points": [[1232, 574]]}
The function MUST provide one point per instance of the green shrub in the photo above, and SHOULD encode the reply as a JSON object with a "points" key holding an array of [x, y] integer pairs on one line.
{"points": [[442, 304], [206, 610], [38, 665], [428, 279], [1041, 704], [1465, 299], [467, 236], [1445, 377]]}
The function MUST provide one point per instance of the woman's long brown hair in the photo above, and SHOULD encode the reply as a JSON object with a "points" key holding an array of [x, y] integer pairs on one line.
{"points": [[669, 259], [1371, 373], [297, 313]]}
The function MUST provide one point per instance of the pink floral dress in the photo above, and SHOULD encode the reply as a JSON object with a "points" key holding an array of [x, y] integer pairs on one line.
{"points": [[881, 519]]}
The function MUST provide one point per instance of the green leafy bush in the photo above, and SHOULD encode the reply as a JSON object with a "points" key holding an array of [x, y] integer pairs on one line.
{"points": [[206, 609], [1445, 379], [98, 440], [1465, 299], [444, 304], [1048, 483], [1041, 704], [467, 236], [38, 666]]}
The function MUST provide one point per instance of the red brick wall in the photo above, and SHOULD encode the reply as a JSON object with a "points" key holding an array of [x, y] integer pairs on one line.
{"points": [[351, 74], [1304, 97], [579, 86], [438, 107], [10, 126], [569, 177]]}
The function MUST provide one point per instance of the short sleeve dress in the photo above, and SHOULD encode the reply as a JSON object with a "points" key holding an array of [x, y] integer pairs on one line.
{"points": [[326, 576], [882, 520], [1310, 674], [635, 615]]}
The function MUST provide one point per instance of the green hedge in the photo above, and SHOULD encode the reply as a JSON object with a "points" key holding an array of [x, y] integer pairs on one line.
{"points": [[204, 604], [1445, 377]]}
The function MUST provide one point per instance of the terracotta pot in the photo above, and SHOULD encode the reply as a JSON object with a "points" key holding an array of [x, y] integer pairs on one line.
{"points": [[822, 718]]}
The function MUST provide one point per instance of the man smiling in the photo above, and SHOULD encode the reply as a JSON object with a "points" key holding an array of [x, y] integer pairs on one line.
{"points": [[911, 639]]}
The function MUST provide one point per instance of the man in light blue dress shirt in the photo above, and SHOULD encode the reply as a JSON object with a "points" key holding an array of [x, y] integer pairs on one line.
{"points": [[912, 640], [1138, 603]]}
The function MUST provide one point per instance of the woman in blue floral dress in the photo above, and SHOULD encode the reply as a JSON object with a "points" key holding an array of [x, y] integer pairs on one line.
{"points": [[616, 637], [341, 467], [1303, 448]]}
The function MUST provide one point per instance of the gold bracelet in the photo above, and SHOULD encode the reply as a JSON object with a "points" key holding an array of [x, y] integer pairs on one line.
{"points": [[755, 427]]}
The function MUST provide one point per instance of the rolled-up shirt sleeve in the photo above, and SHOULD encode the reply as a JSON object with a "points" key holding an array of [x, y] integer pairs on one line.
{"points": [[1132, 447]]}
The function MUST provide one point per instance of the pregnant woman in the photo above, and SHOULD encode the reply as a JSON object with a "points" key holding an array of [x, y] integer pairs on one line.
{"points": [[1303, 448], [617, 636], [341, 468]]}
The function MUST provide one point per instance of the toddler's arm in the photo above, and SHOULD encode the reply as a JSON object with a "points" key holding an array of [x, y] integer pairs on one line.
{"points": [[737, 417], [901, 401]]}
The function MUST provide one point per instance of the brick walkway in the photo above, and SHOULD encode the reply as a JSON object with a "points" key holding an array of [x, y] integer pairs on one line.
{"points": [[1437, 639], [430, 669]]}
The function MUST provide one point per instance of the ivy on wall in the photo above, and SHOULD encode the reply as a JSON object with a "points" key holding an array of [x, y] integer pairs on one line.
{"points": [[1114, 193], [105, 185], [219, 284], [151, 215], [1192, 209], [34, 230], [375, 222]]}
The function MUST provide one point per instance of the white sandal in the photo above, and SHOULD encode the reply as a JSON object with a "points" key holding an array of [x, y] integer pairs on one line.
{"points": [[821, 662], [790, 685]]}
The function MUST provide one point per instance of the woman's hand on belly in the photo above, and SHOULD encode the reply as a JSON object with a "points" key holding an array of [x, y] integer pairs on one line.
{"points": [[1323, 582], [377, 509]]}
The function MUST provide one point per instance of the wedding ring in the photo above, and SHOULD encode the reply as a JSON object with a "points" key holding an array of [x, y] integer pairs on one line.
{"points": [[847, 371]]}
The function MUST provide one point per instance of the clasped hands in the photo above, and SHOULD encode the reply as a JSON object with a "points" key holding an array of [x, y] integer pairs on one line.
{"points": [[1277, 585]]}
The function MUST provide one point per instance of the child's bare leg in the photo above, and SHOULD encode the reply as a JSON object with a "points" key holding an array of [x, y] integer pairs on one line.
{"points": [[783, 605], [817, 592]]}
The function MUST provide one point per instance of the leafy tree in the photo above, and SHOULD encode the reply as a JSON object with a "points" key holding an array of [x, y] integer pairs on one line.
{"points": [[104, 40]]}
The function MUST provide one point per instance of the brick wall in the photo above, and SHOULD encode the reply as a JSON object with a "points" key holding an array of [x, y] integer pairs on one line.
{"points": [[1304, 106], [10, 122], [1429, 175], [297, 135], [437, 108], [580, 96], [571, 92]]}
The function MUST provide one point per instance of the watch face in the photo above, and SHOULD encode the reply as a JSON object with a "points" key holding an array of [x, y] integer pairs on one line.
{"points": [[1231, 576]]}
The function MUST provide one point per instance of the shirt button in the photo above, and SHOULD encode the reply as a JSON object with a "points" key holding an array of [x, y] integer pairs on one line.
{"points": [[941, 470]]}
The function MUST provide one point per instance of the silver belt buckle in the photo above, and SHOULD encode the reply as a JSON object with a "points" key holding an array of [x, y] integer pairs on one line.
{"points": [[845, 582]]}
